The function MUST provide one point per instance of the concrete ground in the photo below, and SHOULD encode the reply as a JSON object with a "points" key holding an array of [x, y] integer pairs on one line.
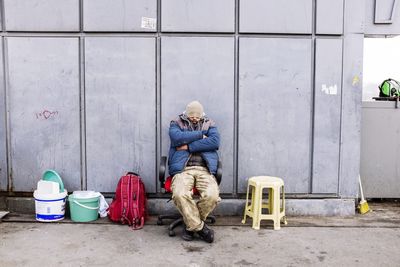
{"points": [[363, 240]]}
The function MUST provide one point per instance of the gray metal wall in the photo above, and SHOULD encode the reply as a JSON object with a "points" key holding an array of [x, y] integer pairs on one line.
{"points": [[91, 86]]}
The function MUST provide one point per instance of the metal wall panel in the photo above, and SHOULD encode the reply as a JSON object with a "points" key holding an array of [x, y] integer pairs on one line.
{"points": [[329, 17], [351, 115], [119, 15], [354, 21], [41, 15], [3, 133], [120, 110], [200, 68], [271, 16], [351, 99], [327, 106], [380, 169], [198, 16], [1, 17], [43, 97], [275, 110], [382, 17]]}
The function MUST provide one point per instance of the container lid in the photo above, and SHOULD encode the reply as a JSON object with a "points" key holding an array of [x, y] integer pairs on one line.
{"points": [[48, 187], [53, 176], [85, 194], [38, 196]]}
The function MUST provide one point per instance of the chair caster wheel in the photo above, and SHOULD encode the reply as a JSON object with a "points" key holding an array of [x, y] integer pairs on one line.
{"points": [[171, 233], [284, 220], [159, 222], [212, 220]]}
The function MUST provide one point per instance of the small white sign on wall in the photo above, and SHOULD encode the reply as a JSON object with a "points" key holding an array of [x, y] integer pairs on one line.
{"points": [[329, 90], [149, 23]]}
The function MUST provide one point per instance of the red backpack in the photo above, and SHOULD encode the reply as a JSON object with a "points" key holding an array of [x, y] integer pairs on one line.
{"points": [[129, 203]]}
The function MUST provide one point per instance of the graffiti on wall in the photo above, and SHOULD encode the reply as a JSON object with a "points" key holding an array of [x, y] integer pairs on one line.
{"points": [[46, 114]]}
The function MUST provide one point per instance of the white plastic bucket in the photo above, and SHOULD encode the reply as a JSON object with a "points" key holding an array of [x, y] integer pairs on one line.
{"points": [[50, 207]]}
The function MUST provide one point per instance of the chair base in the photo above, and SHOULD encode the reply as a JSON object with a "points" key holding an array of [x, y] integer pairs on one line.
{"points": [[178, 220]]}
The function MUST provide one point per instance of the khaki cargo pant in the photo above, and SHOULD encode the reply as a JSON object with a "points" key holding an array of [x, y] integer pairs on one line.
{"points": [[194, 214]]}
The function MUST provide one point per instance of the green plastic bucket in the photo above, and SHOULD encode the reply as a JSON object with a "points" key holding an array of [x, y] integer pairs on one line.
{"points": [[83, 209]]}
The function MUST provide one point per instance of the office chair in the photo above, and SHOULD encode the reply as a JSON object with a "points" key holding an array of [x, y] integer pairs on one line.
{"points": [[166, 185]]}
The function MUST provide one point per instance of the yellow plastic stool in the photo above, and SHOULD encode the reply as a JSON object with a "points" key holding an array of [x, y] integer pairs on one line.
{"points": [[276, 209]]}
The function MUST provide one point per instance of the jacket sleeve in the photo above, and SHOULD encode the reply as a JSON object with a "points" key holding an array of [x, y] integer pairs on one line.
{"points": [[179, 137], [211, 143]]}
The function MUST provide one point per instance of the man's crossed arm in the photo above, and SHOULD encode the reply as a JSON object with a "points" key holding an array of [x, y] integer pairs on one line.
{"points": [[194, 141]]}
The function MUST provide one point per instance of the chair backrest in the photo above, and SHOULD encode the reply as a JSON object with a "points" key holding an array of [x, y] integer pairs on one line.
{"points": [[163, 169]]}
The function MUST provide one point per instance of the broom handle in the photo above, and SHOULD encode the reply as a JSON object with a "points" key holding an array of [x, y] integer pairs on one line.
{"points": [[361, 190]]}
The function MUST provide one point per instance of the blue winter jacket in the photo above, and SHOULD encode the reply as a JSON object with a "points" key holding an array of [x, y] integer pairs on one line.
{"points": [[181, 133]]}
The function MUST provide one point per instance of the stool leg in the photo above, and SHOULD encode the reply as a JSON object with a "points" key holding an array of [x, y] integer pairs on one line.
{"points": [[284, 221], [277, 221], [246, 205], [270, 200], [257, 208], [272, 197], [283, 199], [253, 198]]}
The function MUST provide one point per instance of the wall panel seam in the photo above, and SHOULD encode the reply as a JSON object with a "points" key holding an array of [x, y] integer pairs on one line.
{"points": [[7, 113], [312, 119]]}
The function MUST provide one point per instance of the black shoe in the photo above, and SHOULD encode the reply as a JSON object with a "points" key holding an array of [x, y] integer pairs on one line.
{"points": [[206, 234], [187, 235]]}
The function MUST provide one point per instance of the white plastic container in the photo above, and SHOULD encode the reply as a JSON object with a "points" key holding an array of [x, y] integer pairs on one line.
{"points": [[50, 207], [47, 187]]}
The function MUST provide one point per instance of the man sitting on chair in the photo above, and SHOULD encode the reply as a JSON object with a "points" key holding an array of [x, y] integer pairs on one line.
{"points": [[193, 162]]}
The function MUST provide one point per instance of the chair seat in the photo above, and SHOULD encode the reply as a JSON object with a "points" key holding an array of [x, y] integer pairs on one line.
{"points": [[168, 183]]}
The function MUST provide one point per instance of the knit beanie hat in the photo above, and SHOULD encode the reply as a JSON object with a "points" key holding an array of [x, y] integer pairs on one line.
{"points": [[194, 109]]}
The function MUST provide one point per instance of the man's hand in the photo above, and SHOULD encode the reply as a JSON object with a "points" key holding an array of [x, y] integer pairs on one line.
{"points": [[183, 147]]}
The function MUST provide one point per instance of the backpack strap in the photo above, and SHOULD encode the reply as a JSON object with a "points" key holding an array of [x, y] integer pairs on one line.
{"points": [[125, 199], [136, 191], [137, 222]]}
